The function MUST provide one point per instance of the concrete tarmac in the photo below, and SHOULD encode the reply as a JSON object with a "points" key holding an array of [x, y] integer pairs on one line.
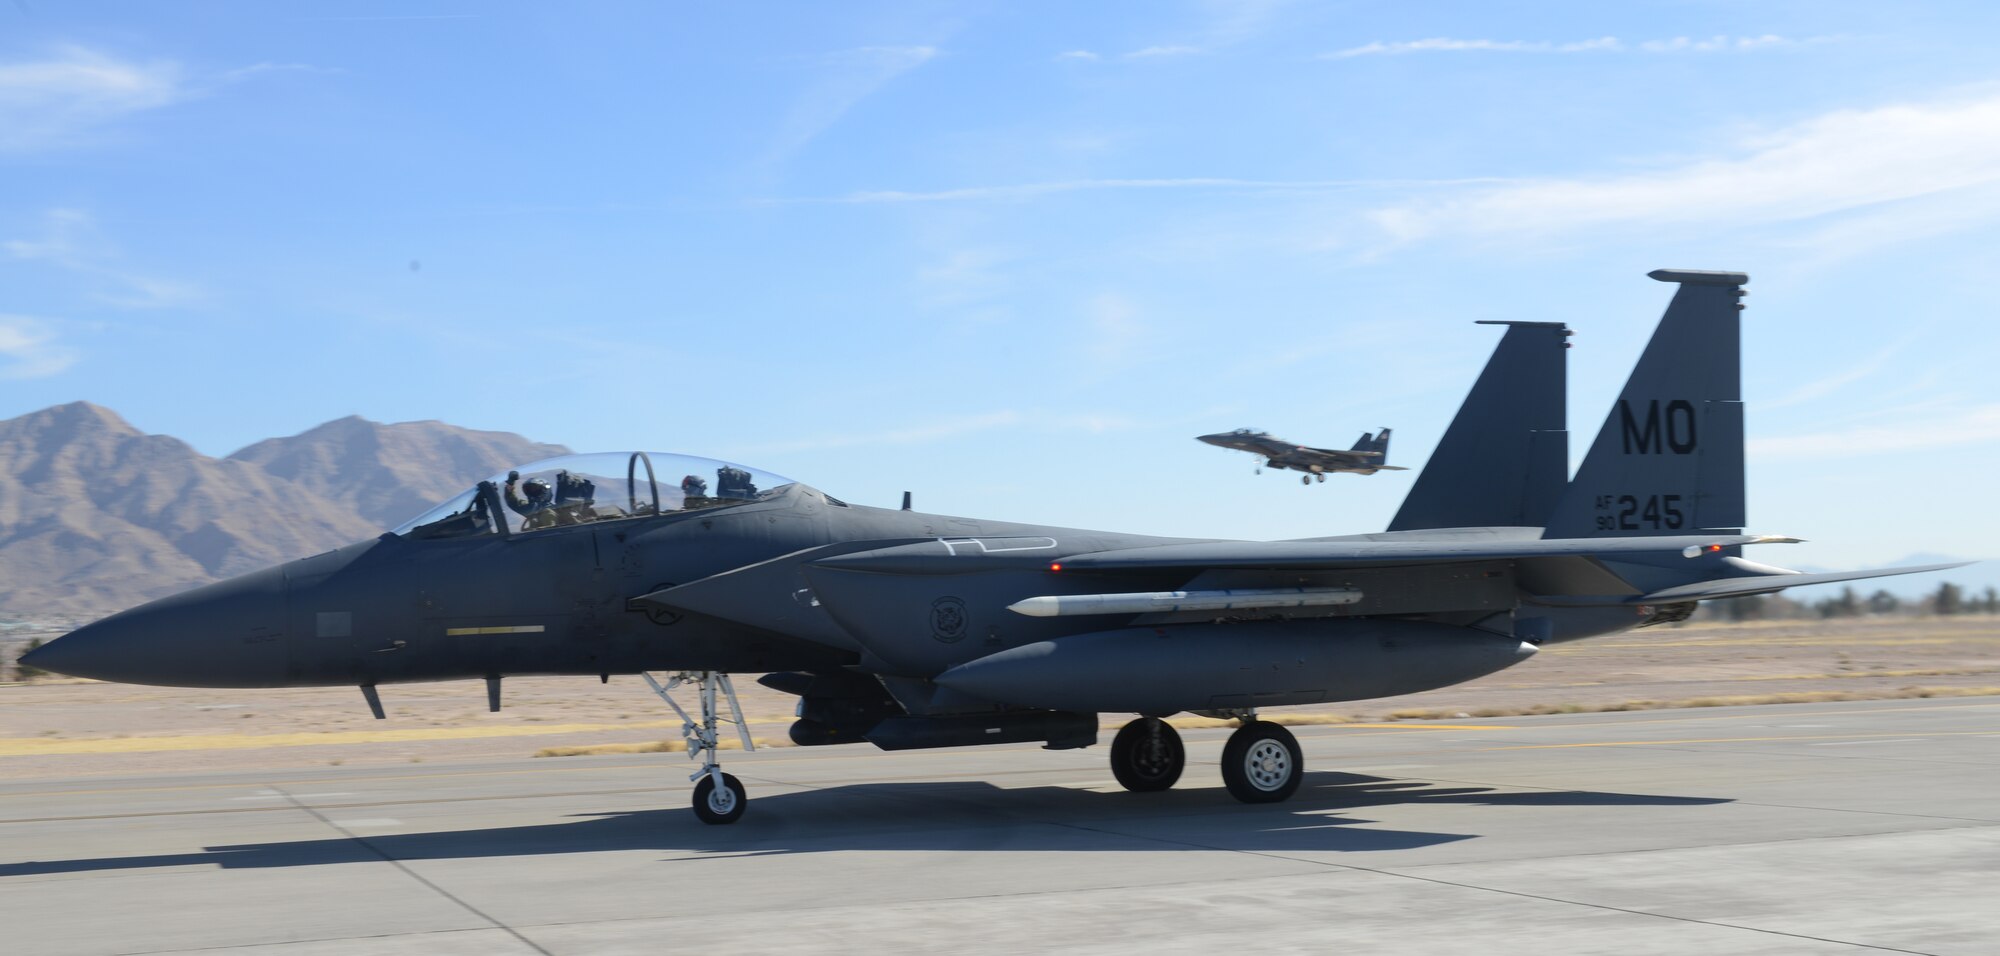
{"points": [[1796, 829]]}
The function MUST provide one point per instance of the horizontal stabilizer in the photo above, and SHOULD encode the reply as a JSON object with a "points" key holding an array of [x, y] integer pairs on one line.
{"points": [[1737, 587]]}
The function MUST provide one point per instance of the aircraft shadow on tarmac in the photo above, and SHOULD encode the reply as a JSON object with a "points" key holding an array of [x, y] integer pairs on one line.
{"points": [[930, 816]]}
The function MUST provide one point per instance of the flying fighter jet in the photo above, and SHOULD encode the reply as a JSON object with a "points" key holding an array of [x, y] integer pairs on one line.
{"points": [[1365, 458], [908, 630]]}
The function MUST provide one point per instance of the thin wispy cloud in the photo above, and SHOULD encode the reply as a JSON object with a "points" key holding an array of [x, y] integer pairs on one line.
{"points": [[387, 19], [963, 276], [70, 241], [258, 69], [1235, 21], [1155, 52], [1837, 162], [1830, 384], [1724, 44], [1714, 44], [937, 430], [1450, 45], [1143, 53], [28, 349], [905, 435], [1116, 335], [1019, 191], [62, 99], [1225, 23], [1975, 425], [847, 77]]}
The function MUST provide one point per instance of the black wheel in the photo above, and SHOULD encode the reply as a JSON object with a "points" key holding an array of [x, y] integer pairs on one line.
{"points": [[1262, 763], [722, 804], [1147, 755], [1322, 478], [1305, 479]]}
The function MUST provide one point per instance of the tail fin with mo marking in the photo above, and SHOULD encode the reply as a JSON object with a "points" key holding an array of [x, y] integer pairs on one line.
{"points": [[1669, 459]]}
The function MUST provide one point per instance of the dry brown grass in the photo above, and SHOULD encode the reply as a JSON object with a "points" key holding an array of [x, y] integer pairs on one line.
{"points": [[651, 747]]}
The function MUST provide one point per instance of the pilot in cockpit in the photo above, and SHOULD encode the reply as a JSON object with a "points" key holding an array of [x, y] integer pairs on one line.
{"points": [[540, 506], [529, 499]]}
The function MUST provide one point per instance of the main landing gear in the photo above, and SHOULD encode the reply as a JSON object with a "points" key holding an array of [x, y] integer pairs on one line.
{"points": [[718, 797], [1147, 755], [1261, 763]]}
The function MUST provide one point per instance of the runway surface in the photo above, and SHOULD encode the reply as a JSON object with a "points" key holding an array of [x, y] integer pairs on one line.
{"points": [[1817, 828]]}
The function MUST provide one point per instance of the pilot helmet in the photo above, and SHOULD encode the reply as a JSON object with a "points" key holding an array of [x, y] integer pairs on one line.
{"points": [[536, 489]]}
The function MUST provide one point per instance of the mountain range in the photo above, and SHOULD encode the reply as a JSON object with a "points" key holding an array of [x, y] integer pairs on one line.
{"points": [[96, 515]]}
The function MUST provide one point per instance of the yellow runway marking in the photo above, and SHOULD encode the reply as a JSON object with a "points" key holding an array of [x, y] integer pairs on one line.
{"points": [[1745, 740], [1704, 714], [795, 755], [1425, 725], [1788, 642], [44, 746]]}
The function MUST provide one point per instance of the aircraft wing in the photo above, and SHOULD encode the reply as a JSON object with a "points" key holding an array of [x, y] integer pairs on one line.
{"points": [[1345, 458], [1344, 454], [1307, 555], [1736, 587]]}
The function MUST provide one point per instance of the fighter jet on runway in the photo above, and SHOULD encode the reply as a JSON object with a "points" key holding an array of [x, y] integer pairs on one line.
{"points": [[909, 630], [1365, 458]]}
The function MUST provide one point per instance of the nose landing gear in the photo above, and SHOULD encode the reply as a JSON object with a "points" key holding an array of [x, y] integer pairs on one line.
{"points": [[718, 797]]}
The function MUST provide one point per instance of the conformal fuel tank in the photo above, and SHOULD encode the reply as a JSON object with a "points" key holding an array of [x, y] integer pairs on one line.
{"points": [[1164, 670]]}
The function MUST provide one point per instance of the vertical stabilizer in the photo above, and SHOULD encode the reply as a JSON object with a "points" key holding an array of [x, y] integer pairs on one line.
{"points": [[1375, 443], [1504, 459], [1669, 459]]}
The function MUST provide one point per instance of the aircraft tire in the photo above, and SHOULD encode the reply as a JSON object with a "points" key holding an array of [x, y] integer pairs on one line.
{"points": [[1262, 763], [1144, 762], [1305, 479], [720, 806]]}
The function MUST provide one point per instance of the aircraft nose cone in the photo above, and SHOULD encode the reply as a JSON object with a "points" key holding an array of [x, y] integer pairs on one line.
{"points": [[229, 634]]}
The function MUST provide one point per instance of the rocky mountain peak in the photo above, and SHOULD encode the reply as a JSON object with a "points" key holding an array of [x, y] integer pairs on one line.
{"points": [[96, 515], [390, 473]]}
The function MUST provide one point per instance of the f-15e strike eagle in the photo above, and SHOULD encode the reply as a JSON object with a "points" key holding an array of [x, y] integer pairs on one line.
{"points": [[1365, 458], [909, 630]]}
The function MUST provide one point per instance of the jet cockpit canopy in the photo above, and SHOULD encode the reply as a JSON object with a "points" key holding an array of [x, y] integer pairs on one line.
{"points": [[585, 489]]}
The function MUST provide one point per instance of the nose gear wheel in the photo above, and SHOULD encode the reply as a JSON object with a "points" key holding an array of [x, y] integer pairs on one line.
{"points": [[719, 803]]}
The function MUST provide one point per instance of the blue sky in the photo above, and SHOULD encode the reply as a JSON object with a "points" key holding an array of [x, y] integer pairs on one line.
{"points": [[1014, 256]]}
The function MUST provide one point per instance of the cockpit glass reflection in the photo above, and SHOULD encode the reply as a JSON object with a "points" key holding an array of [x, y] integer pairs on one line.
{"points": [[588, 489]]}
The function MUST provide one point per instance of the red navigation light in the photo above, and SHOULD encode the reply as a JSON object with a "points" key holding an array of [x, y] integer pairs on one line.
{"points": [[1055, 566]]}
